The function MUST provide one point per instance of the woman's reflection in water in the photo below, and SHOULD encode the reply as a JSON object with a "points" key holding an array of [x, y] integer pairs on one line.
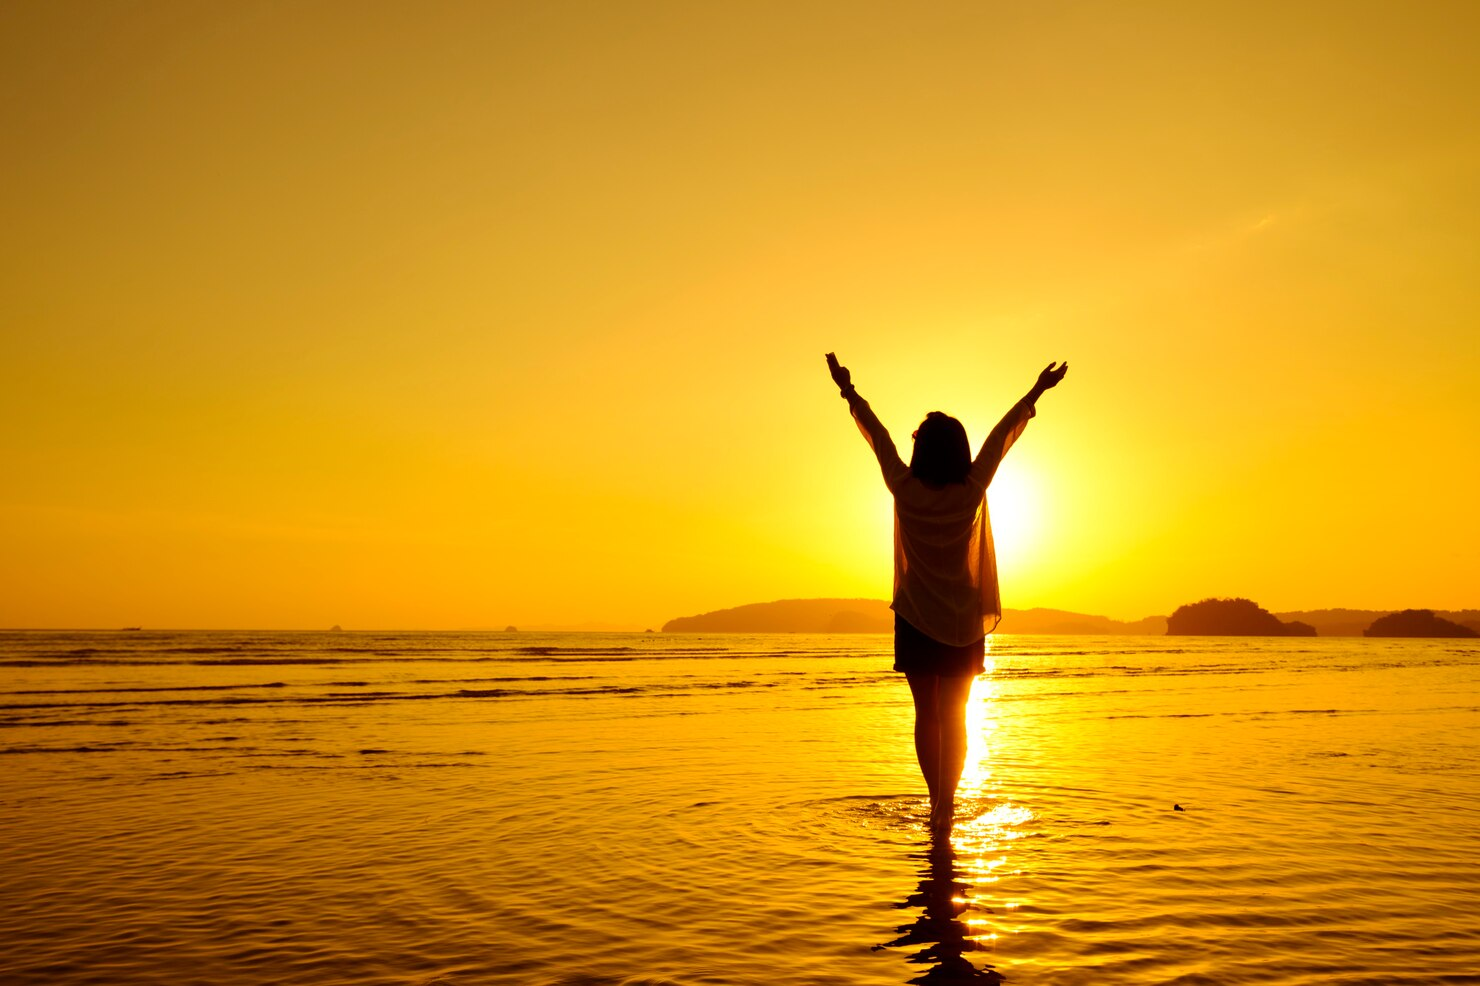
{"points": [[942, 929]]}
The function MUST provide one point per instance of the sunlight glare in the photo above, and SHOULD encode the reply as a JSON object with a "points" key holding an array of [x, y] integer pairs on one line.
{"points": [[979, 724], [1015, 508]]}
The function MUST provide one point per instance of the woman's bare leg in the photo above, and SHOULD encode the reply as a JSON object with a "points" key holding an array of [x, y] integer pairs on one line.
{"points": [[952, 695], [940, 739], [927, 730]]}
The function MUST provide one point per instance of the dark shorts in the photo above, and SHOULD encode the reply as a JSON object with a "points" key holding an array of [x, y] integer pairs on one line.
{"points": [[915, 653]]}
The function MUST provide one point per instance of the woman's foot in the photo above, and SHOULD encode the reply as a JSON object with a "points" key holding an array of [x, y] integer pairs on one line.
{"points": [[942, 817]]}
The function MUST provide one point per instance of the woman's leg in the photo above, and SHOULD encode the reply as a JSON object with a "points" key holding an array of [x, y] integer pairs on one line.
{"points": [[927, 730], [952, 695]]}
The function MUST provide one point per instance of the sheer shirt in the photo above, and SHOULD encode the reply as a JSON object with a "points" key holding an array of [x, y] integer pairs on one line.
{"points": [[945, 566]]}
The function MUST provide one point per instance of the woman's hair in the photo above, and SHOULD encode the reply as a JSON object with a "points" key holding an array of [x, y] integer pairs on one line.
{"points": [[941, 453]]}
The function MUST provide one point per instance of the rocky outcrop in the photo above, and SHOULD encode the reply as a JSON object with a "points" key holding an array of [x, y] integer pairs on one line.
{"points": [[1417, 623], [1354, 622], [1232, 618]]}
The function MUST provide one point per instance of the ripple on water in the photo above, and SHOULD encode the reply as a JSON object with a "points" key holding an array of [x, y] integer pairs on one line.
{"points": [[677, 834]]}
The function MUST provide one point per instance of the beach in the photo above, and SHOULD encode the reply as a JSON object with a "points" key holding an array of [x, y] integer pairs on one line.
{"points": [[450, 808]]}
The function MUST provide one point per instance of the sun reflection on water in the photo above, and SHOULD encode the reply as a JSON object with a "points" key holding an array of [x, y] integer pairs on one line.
{"points": [[980, 724], [986, 825]]}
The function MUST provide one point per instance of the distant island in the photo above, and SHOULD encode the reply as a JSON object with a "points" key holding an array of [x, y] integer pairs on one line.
{"points": [[1355, 622], [1233, 618], [1417, 623], [874, 616]]}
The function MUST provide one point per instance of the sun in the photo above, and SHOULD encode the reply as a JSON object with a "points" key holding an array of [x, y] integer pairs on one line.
{"points": [[1015, 507]]}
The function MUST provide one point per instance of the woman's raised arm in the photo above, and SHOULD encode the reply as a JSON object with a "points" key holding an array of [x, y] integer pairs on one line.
{"points": [[984, 467], [873, 429]]}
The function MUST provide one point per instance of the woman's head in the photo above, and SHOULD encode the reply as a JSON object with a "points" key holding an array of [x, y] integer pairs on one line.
{"points": [[941, 453]]}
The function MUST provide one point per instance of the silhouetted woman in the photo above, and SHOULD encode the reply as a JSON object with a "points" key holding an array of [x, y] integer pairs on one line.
{"points": [[945, 571]]}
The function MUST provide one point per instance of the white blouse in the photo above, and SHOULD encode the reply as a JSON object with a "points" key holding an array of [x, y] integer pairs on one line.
{"points": [[945, 568]]}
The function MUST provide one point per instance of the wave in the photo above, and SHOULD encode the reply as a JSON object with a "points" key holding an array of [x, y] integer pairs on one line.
{"points": [[340, 698], [532, 655]]}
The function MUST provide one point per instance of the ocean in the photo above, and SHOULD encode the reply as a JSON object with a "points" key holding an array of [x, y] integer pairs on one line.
{"points": [[643, 809]]}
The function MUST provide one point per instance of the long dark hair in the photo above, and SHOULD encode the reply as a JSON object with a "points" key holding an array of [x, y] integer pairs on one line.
{"points": [[941, 454]]}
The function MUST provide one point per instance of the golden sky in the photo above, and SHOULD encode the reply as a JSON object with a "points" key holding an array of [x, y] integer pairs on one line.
{"points": [[463, 314]]}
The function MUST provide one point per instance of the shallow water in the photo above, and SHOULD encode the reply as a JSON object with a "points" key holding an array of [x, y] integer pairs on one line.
{"points": [[643, 809]]}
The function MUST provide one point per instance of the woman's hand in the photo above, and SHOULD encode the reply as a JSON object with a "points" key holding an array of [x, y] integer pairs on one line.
{"points": [[840, 373], [1050, 377]]}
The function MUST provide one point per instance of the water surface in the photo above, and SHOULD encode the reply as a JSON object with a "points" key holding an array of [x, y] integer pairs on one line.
{"points": [[640, 809]]}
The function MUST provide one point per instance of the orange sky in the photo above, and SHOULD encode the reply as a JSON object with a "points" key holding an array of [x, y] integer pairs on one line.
{"points": [[466, 314]]}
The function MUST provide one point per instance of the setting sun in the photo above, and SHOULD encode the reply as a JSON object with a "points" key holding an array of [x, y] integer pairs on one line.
{"points": [[1016, 503]]}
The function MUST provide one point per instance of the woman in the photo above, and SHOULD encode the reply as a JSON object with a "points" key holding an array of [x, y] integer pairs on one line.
{"points": [[945, 571]]}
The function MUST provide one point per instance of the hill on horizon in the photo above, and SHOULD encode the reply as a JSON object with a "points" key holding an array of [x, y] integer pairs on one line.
{"points": [[1354, 622], [874, 616]]}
